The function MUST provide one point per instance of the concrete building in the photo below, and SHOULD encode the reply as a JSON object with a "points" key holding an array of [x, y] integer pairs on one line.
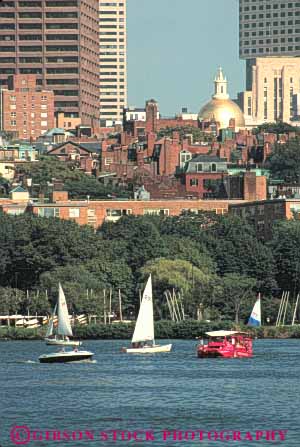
{"points": [[26, 110], [273, 90], [58, 42], [269, 28], [113, 61]]}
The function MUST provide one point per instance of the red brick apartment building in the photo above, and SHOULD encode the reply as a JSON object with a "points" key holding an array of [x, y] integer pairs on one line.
{"points": [[58, 41], [94, 213], [264, 213], [26, 110]]}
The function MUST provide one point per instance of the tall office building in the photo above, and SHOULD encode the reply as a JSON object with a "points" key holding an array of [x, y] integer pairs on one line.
{"points": [[113, 65], [58, 41], [269, 28], [270, 44]]}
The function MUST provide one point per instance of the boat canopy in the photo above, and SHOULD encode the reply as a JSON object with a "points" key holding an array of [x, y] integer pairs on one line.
{"points": [[224, 333]]}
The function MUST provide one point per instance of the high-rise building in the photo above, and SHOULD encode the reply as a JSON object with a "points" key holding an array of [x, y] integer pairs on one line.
{"points": [[269, 28], [270, 44], [24, 110], [58, 41], [113, 65], [274, 94]]}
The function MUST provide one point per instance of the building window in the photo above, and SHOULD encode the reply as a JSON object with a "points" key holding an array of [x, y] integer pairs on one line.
{"points": [[194, 182], [74, 212], [48, 212], [108, 161], [111, 212], [156, 212]]}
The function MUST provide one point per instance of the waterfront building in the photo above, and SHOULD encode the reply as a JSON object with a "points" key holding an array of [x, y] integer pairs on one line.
{"points": [[58, 42], [113, 61], [25, 110], [95, 212], [220, 108]]}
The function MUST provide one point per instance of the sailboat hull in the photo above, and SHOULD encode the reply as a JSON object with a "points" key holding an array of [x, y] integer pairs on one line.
{"points": [[65, 357], [61, 342], [148, 349]]}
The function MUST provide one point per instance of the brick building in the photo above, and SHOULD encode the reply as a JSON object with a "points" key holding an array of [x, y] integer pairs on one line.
{"points": [[150, 121], [25, 108], [263, 214], [94, 213], [58, 41], [202, 172], [85, 155]]}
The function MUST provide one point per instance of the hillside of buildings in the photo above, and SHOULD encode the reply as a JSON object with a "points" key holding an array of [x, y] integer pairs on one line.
{"points": [[214, 263], [100, 212]]}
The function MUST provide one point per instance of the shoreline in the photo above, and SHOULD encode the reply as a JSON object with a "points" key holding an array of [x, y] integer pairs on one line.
{"points": [[164, 329]]}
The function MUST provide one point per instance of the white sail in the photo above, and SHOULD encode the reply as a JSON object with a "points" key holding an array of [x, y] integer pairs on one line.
{"points": [[64, 326], [144, 328], [50, 325], [255, 317]]}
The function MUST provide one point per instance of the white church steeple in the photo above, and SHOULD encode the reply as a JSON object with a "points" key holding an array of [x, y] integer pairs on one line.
{"points": [[220, 86]]}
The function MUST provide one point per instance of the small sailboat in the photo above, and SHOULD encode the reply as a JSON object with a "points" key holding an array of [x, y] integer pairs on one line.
{"points": [[64, 329], [57, 339], [143, 341], [255, 317]]}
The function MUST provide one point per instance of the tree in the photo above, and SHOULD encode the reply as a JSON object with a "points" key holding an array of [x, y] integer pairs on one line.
{"points": [[77, 183], [89, 186], [284, 161], [140, 238], [179, 275], [278, 128], [11, 300], [285, 244], [189, 250], [237, 290], [197, 134], [234, 246]]}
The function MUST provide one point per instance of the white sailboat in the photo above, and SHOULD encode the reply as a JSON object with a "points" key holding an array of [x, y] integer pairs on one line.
{"points": [[255, 317], [60, 337], [64, 329], [143, 341]]}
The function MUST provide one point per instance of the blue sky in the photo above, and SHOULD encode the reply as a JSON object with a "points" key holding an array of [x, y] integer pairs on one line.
{"points": [[175, 48]]}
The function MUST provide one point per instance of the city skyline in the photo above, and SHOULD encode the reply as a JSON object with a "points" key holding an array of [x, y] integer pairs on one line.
{"points": [[185, 46]]}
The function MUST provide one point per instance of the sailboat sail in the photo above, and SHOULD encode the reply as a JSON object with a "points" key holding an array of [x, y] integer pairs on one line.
{"points": [[51, 325], [64, 326], [255, 317], [144, 328]]}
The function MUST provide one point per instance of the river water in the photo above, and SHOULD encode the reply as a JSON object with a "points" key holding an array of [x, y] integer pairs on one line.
{"points": [[160, 394]]}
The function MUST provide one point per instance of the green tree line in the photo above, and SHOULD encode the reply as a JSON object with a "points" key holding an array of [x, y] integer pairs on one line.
{"points": [[215, 263]]}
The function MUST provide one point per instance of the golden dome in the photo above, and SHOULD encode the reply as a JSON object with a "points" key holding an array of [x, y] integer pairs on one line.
{"points": [[220, 108]]}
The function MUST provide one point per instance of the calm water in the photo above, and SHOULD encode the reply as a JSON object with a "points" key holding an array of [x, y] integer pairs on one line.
{"points": [[173, 391]]}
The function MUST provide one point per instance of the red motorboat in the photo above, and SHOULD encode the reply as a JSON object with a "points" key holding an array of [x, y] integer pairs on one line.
{"points": [[227, 344]]}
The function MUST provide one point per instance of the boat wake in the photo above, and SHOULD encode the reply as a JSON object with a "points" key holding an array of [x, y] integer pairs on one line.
{"points": [[23, 362]]}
